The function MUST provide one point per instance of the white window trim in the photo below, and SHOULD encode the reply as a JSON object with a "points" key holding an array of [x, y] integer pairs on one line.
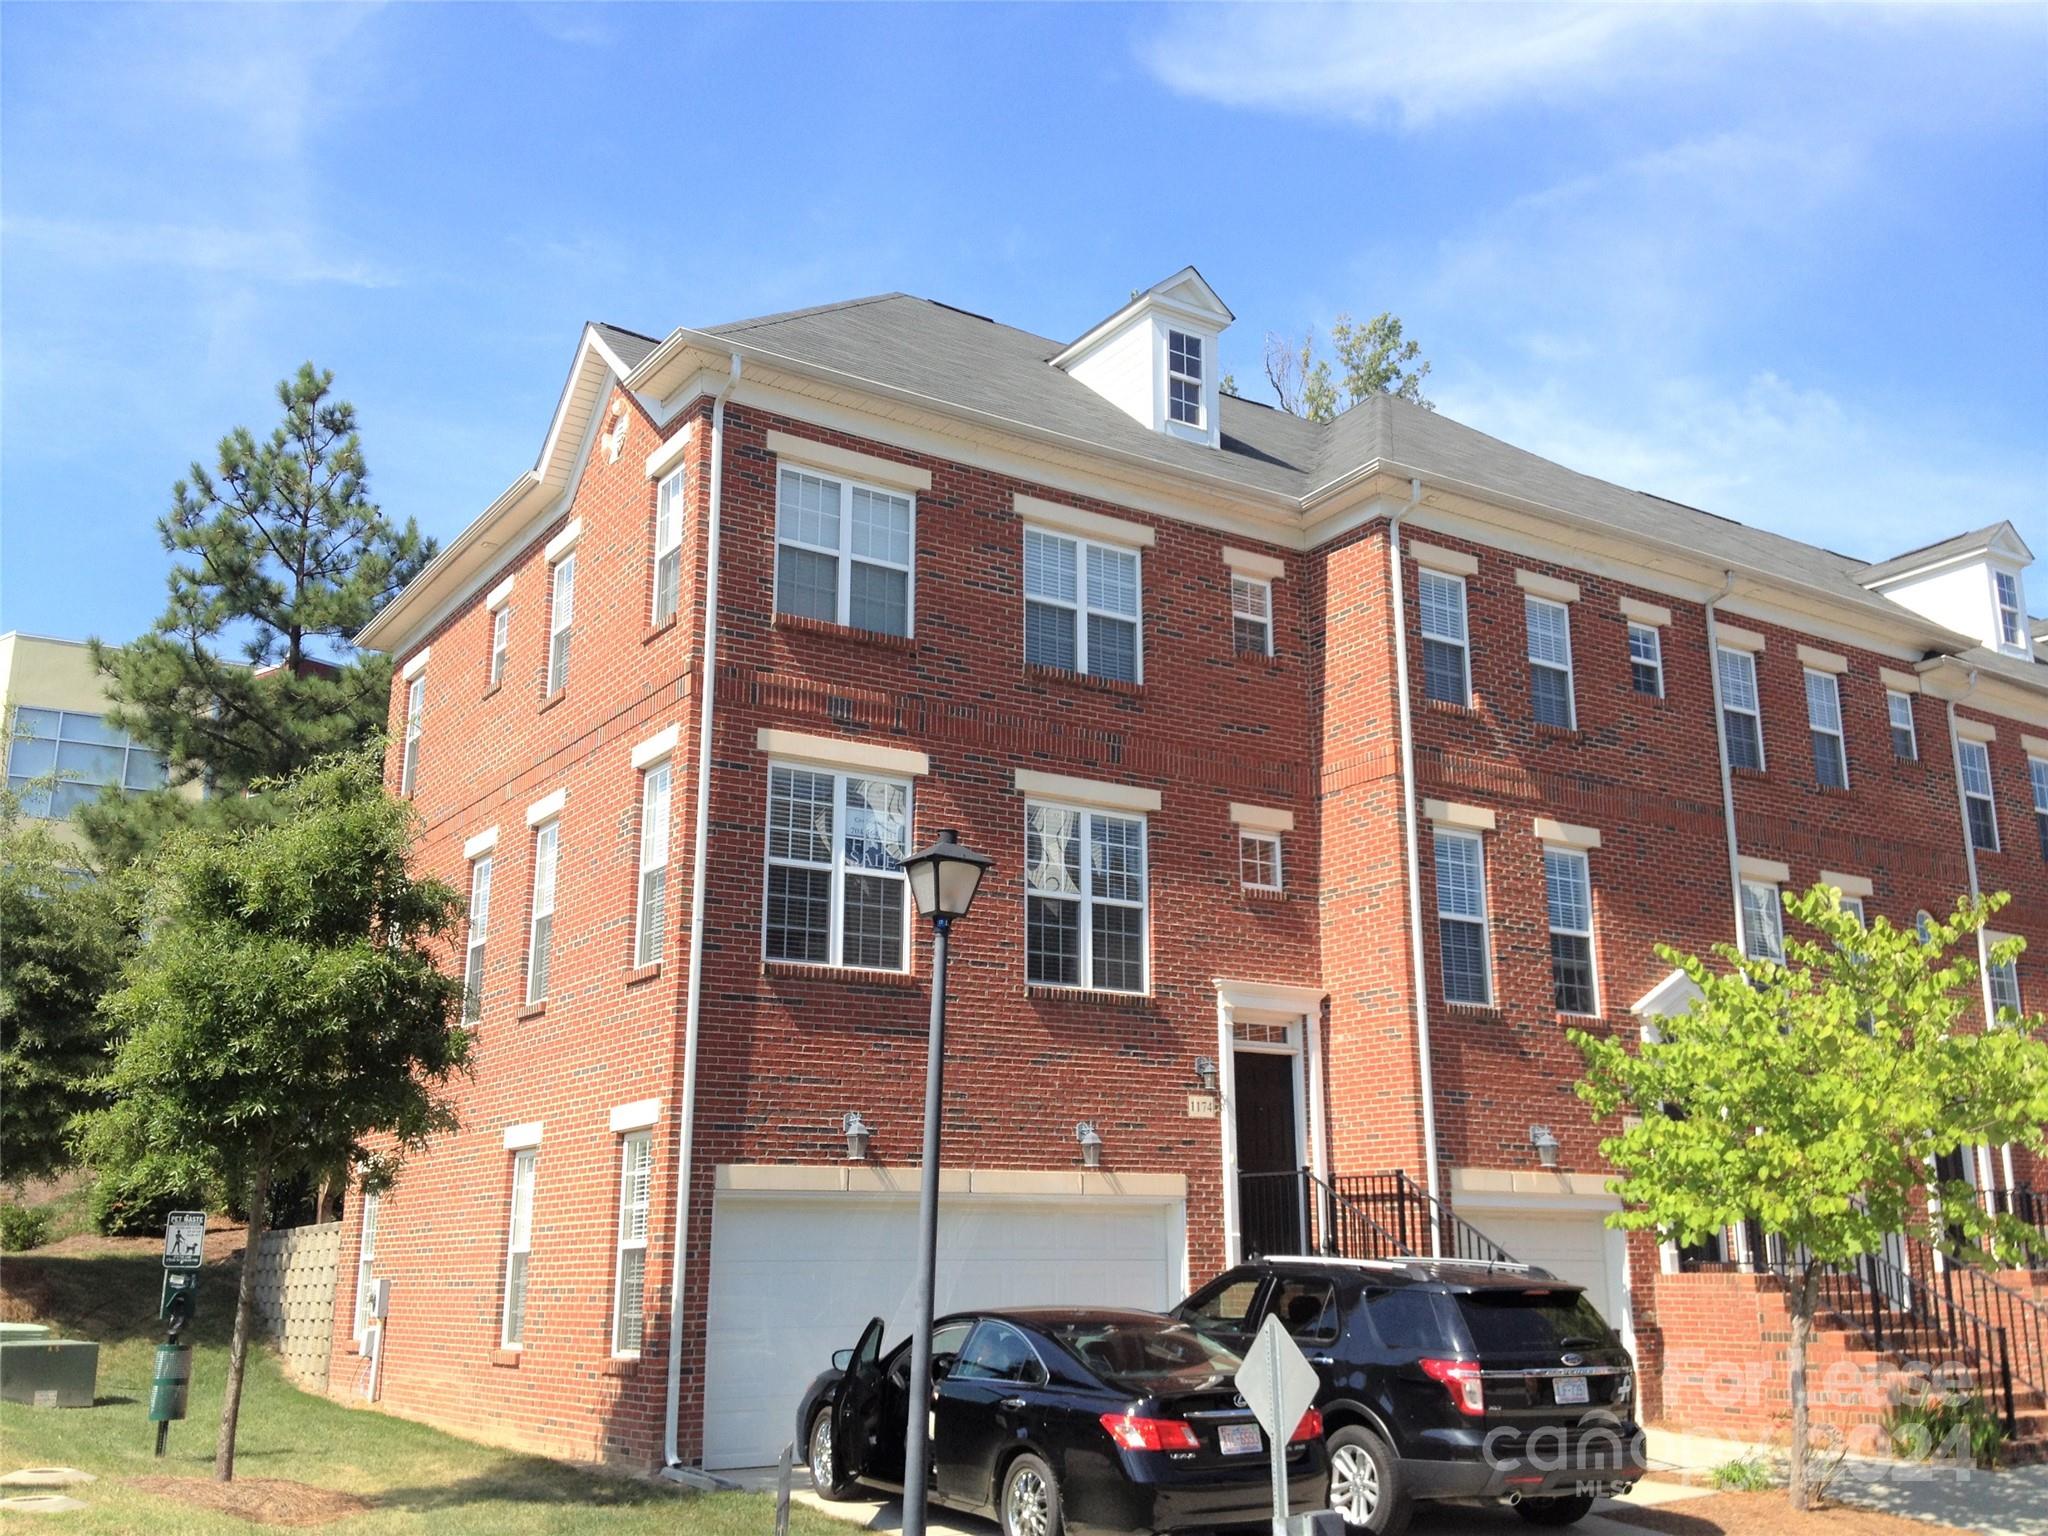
{"points": [[839, 755], [1258, 567], [1084, 831], [501, 594], [622, 1244], [501, 646], [1259, 817], [563, 542], [1777, 907], [1656, 659], [1576, 853], [1442, 833], [2037, 782], [1058, 788], [481, 844], [844, 555], [1994, 971], [1838, 730], [1912, 726], [415, 712], [835, 933], [1861, 887], [1554, 588], [417, 664], [561, 624], [1565, 834], [2018, 643], [1530, 604], [550, 828], [1463, 641], [482, 870], [1202, 346], [1264, 589], [835, 462], [1964, 746], [654, 851], [1080, 607], [1747, 654], [529, 1158], [669, 490], [1655, 615], [1270, 839]]}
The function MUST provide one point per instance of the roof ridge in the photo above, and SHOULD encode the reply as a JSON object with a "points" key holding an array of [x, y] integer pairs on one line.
{"points": [[755, 321]]}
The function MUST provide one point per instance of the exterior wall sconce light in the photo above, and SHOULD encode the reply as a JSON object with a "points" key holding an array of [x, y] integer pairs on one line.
{"points": [[1545, 1143], [857, 1134], [1091, 1144], [1205, 1074]]}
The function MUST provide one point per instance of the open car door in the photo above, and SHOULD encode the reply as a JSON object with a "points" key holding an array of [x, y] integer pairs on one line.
{"points": [[857, 1413]]}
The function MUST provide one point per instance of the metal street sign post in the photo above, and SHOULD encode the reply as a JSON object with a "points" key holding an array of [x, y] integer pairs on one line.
{"points": [[1279, 1386], [184, 1251]]}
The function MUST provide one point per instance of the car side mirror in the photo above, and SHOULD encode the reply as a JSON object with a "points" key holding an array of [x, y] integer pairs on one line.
{"points": [[841, 1359], [942, 1366]]}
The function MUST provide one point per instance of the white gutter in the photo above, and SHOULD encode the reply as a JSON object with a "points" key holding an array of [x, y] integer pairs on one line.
{"points": [[686, 1111], [1727, 776], [1986, 1182], [1410, 834]]}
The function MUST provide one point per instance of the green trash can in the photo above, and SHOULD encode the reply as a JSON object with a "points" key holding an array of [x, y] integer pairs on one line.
{"points": [[173, 1380]]}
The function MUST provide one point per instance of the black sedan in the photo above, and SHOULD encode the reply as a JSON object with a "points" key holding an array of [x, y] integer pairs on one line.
{"points": [[1060, 1419]]}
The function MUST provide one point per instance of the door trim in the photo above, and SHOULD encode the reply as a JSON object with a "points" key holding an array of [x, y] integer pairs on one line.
{"points": [[1300, 1009]]}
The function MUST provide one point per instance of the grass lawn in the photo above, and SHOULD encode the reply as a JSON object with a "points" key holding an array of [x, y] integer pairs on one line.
{"points": [[414, 1479]]}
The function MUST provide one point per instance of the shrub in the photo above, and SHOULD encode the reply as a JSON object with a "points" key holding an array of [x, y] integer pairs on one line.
{"points": [[1945, 1427], [1745, 1474], [22, 1227], [122, 1212]]}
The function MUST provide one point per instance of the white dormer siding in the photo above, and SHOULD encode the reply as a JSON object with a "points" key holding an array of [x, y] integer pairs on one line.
{"points": [[1132, 359], [1974, 585]]}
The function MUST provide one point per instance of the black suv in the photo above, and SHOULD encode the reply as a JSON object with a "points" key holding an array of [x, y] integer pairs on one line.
{"points": [[1446, 1380]]}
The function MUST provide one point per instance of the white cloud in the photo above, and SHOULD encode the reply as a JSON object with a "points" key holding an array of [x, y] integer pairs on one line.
{"points": [[290, 255]]}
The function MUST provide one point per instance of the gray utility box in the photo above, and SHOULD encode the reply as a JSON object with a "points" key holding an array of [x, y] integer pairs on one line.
{"points": [[49, 1373]]}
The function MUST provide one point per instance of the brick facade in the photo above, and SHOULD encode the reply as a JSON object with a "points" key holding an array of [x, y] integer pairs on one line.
{"points": [[1313, 730]]}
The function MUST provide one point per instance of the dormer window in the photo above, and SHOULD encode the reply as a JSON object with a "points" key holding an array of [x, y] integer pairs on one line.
{"points": [[1184, 377], [2011, 615]]}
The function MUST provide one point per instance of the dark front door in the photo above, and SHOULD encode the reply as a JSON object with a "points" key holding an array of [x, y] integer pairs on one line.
{"points": [[1269, 1193]]}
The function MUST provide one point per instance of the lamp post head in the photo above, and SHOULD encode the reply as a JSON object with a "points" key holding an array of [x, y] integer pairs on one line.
{"points": [[944, 877], [1091, 1144], [1544, 1140], [857, 1134]]}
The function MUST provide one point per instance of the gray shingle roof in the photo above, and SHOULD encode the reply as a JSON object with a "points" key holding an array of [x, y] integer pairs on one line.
{"points": [[1928, 554], [631, 347]]}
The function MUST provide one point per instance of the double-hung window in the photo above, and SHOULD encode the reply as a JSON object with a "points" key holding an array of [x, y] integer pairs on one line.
{"points": [[1974, 759], [1853, 905], [1446, 676], [2037, 775], [1898, 708], [1080, 606], [1085, 898], [1258, 860], [651, 900], [636, 1169], [1251, 616], [1646, 659], [842, 552], [479, 925], [836, 892], [668, 547], [1550, 661], [561, 617], [1741, 722], [366, 1260], [1824, 721], [415, 711], [546, 855], [501, 641], [1568, 878], [1763, 922], [2011, 615], [1184, 378], [518, 1245], [2004, 976], [1461, 917]]}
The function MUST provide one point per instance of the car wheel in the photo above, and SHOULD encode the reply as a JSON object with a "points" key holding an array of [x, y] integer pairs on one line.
{"points": [[818, 1457], [1556, 1511], [1031, 1499], [1365, 1482]]}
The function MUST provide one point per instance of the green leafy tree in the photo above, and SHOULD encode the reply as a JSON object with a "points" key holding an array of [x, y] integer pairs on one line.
{"points": [[279, 558], [287, 1011], [63, 937], [1371, 359], [1812, 1098]]}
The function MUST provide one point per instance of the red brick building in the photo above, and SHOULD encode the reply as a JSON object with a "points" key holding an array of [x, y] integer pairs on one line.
{"points": [[1273, 890]]}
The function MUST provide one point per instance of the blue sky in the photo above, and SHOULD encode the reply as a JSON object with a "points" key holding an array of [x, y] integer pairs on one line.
{"points": [[1787, 264]]}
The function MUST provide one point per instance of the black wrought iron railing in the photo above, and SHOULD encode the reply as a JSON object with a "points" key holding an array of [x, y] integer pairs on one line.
{"points": [[1418, 1221], [2026, 1206], [1963, 1280], [1296, 1212]]}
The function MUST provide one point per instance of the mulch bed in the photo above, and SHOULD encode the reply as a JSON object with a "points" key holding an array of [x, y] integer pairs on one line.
{"points": [[259, 1500], [1764, 1514]]}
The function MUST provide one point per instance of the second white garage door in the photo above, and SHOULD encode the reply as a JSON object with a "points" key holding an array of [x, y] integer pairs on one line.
{"points": [[795, 1278], [1573, 1246]]}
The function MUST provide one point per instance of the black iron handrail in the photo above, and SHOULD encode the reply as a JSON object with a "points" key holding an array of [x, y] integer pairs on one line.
{"points": [[2022, 1319], [1420, 1222], [1325, 1221]]}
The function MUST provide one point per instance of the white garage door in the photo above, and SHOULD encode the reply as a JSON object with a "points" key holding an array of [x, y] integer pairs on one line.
{"points": [[1575, 1247], [793, 1279]]}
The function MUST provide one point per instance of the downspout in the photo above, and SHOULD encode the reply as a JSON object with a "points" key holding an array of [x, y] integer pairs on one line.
{"points": [[1985, 1174], [1418, 963], [694, 997], [1727, 775]]}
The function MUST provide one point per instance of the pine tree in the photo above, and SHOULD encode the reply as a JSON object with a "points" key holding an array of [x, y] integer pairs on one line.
{"points": [[279, 558]]}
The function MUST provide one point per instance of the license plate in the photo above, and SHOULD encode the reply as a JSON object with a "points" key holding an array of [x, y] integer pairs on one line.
{"points": [[1239, 1439], [1571, 1389]]}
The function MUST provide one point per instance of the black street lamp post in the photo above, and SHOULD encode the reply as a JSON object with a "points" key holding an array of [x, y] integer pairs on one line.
{"points": [[943, 880]]}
